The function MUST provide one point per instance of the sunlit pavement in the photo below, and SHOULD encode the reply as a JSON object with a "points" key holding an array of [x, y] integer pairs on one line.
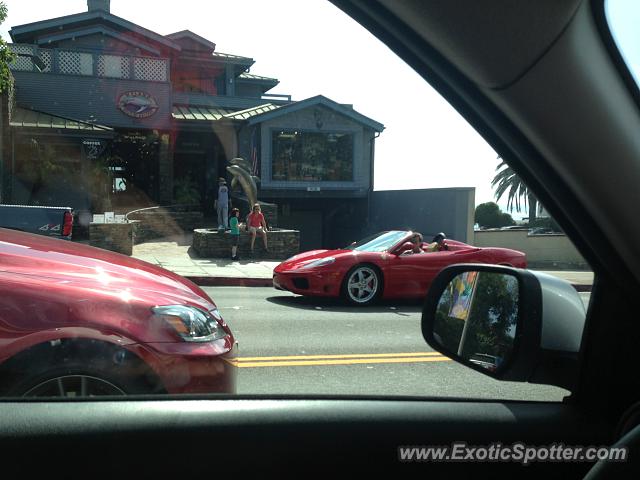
{"points": [[289, 344], [176, 255]]}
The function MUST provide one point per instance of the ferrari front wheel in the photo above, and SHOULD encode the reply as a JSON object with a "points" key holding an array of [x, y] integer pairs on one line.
{"points": [[362, 285]]}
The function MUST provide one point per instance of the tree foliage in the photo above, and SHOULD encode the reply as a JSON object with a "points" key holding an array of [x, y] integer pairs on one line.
{"points": [[518, 194], [6, 55], [489, 215]]}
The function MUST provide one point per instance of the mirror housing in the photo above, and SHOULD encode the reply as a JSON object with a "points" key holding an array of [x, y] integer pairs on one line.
{"points": [[547, 332]]}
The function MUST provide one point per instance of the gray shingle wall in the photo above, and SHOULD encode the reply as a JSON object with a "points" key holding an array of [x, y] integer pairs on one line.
{"points": [[78, 97]]}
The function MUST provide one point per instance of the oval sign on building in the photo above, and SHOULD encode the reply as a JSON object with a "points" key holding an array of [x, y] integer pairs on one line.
{"points": [[137, 104]]}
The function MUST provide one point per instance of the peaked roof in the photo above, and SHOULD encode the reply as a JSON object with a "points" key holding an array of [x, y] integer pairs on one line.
{"points": [[192, 36], [104, 30], [318, 100], [29, 32]]}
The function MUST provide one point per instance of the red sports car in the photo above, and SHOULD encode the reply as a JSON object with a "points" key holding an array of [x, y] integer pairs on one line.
{"points": [[80, 321], [385, 265]]}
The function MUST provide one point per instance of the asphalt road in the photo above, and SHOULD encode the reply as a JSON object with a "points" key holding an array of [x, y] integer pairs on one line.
{"points": [[296, 345]]}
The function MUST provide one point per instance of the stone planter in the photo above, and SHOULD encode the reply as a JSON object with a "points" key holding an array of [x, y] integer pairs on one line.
{"points": [[117, 237], [210, 243], [161, 222]]}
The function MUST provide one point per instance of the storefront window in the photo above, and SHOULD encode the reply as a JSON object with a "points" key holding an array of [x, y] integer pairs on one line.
{"points": [[312, 156]]}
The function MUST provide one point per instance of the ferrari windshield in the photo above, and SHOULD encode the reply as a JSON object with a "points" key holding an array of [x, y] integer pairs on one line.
{"points": [[380, 242]]}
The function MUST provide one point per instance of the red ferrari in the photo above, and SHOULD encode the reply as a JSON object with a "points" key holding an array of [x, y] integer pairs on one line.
{"points": [[384, 265]]}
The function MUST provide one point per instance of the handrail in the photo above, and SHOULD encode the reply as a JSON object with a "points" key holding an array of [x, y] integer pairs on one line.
{"points": [[126, 216]]}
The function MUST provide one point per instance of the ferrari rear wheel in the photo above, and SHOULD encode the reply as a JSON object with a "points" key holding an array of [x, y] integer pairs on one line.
{"points": [[362, 285]]}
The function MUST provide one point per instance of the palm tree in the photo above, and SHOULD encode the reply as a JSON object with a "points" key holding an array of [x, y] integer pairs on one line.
{"points": [[506, 180]]}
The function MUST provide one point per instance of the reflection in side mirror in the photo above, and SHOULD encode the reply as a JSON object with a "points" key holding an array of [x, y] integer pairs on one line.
{"points": [[512, 324], [476, 318]]}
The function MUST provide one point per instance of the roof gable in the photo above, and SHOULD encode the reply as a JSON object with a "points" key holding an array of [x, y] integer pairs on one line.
{"points": [[191, 41], [318, 100], [31, 32], [85, 32]]}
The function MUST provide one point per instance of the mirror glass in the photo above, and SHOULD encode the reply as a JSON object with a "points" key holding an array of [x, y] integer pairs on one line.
{"points": [[476, 318]]}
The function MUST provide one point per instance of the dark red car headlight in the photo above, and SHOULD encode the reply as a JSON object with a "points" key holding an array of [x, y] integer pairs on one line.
{"points": [[191, 323]]}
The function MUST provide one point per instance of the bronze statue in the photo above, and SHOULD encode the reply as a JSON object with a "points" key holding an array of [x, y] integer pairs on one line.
{"points": [[240, 169]]}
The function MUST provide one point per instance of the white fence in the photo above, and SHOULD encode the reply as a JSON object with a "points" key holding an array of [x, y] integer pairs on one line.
{"points": [[72, 62]]}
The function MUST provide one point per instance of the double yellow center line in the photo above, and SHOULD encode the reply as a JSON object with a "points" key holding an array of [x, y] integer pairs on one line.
{"points": [[346, 359]]}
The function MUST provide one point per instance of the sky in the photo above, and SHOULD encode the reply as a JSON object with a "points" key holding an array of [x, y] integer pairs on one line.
{"points": [[314, 48]]}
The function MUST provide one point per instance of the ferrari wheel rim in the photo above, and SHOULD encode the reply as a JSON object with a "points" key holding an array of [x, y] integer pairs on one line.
{"points": [[362, 285]]}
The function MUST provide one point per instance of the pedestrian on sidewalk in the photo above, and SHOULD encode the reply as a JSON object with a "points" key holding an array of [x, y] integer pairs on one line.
{"points": [[257, 224], [235, 233], [222, 205]]}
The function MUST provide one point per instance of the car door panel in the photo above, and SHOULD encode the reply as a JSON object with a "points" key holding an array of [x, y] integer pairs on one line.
{"points": [[410, 275], [287, 433]]}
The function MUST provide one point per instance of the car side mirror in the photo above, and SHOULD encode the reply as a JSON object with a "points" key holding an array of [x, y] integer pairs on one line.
{"points": [[508, 323]]}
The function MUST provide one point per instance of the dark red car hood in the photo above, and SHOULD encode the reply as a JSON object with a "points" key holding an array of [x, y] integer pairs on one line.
{"points": [[41, 261]]}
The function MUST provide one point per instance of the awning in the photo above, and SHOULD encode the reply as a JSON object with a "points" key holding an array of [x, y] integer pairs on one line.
{"points": [[22, 117], [184, 112], [191, 112], [252, 112]]}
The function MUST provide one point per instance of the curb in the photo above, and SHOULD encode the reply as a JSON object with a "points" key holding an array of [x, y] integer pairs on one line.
{"points": [[231, 281], [267, 282]]}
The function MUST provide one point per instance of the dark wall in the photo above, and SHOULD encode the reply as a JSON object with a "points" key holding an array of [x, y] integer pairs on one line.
{"points": [[428, 211], [309, 224], [323, 222], [246, 89]]}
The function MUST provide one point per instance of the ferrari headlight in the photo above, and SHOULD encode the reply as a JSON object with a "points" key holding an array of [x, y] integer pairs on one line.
{"points": [[321, 262], [191, 323]]}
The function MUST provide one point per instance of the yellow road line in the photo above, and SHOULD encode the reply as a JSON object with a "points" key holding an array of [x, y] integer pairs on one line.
{"points": [[349, 355], [344, 361]]}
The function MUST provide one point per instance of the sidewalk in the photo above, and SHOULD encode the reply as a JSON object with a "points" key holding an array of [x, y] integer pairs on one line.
{"points": [[174, 254]]}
